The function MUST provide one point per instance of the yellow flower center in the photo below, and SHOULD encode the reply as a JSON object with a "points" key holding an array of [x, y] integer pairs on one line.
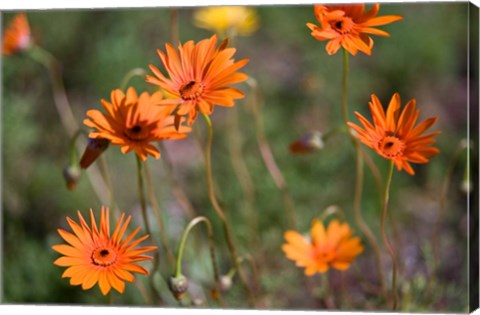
{"points": [[103, 257], [136, 133], [191, 91], [391, 147], [344, 25]]}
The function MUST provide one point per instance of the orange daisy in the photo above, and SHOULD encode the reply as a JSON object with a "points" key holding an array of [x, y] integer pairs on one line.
{"points": [[394, 136], [348, 26], [334, 247], [200, 75], [133, 122], [93, 255], [16, 37]]}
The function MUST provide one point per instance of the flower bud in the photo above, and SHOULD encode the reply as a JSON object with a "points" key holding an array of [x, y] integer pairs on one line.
{"points": [[71, 174], [307, 143], [225, 282], [178, 286], [94, 148]]}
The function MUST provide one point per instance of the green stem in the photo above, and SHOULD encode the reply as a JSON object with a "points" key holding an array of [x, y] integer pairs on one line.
{"points": [[143, 206], [136, 72], [221, 215], [359, 178], [385, 239], [181, 247], [157, 210]]}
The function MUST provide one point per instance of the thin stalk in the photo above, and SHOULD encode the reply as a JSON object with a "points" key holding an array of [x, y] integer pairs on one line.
{"points": [[158, 214], [220, 213], [143, 206], [385, 238], [359, 178], [136, 72], [179, 193], [174, 26], [243, 176], [67, 118], [268, 157], [181, 247]]}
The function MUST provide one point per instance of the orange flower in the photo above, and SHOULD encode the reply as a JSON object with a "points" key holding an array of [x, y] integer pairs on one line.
{"points": [[348, 26], [393, 135], [16, 37], [96, 256], [200, 75], [133, 122], [332, 247]]}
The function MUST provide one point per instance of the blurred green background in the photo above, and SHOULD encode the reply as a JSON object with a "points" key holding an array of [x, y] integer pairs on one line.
{"points": [[425, 58]]}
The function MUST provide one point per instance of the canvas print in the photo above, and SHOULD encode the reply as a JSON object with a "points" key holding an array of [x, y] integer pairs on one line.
{"points": [[283, 157]]}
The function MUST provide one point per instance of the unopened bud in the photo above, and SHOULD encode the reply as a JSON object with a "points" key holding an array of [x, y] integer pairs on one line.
{"points": [[225, 283], [178, 286], [94, 148], [71, 174], [307, 143], [466, 186]]}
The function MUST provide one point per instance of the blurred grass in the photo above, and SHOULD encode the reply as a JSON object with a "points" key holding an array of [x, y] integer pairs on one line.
{"points": [[425, 58]]}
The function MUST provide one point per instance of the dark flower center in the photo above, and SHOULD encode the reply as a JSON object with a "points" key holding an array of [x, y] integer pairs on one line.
{"points": [[103, 257], [136, 133], [391, 147], [191, 91], [344, 25]]}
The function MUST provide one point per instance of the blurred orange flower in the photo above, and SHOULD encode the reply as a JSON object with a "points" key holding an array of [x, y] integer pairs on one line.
{"points": [[393, 135], [16, 37], [334, 247], [348, 26], [132, 122], [93, 255], [200, 75]]}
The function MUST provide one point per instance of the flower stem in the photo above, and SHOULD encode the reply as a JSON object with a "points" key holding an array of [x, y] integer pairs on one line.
{"points": [[268, 157], [174, 26], [181, 247], [67, 118], [143, 206], [359, 178], [136, 72], [221, 215], [157, 210], [385, 239]]}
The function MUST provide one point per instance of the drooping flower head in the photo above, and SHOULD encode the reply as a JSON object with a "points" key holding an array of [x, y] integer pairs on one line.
{"points": [[225, 20], [394, 135], [16, 37], [94, 255], [331, 247], [199, 76], [349, 26], [133, 122]]}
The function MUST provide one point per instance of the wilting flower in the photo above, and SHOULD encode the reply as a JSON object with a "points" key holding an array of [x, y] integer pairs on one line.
{"points": [[133, 122], [334, 247], [16, 37], [227, 20], [348, 26], [200, 75], [94, 255], [394, 136]]}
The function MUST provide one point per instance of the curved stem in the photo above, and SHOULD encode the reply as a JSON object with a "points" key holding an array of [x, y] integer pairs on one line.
{"points": [[143, 206], [181, 247], [359, 178], [67, 118], [136, 72], [385, 238], [221, 215]]}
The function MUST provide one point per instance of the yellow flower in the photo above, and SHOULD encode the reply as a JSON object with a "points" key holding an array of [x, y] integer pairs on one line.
{"points": [[229, 20]]}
